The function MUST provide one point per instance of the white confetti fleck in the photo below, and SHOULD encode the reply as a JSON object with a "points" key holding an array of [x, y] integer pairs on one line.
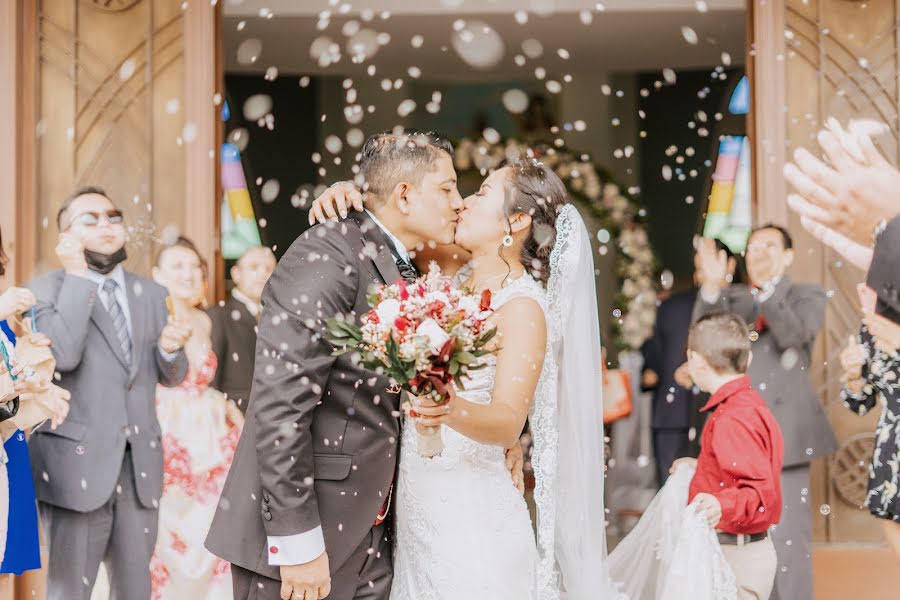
{"points": [[249, 51], [532, 48], [689, 35], [269, 191]]}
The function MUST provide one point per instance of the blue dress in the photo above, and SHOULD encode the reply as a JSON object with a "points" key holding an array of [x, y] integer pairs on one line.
{"points": [[23, 551]]}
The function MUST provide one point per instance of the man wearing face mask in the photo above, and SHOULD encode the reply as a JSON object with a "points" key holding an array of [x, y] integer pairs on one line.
{"points": [[234, 325], [98, 476], [786, 318]]}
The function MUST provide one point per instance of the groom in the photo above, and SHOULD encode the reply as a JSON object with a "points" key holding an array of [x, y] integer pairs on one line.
{"points": [[302, 511]]}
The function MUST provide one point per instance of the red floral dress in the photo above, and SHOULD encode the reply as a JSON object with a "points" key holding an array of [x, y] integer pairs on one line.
{"points": [[198, 447]]}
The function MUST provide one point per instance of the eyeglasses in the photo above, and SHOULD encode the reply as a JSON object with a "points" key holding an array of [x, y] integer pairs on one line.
{"points": [[93, 218]]}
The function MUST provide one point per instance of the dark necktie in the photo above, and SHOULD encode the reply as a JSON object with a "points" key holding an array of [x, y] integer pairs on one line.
{"points": [[407, 271], [118, 318]]}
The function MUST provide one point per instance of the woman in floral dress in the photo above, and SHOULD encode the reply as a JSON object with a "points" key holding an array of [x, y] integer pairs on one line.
{"points": [[200, 433], [871, 365]]}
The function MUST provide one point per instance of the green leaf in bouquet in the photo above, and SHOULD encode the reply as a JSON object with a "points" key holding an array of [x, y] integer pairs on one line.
{"points": [[454, 367], [465, 358], [486, 336]]}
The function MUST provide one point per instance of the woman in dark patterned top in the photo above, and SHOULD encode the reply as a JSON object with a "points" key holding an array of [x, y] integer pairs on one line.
{"points": [[871, 365]]}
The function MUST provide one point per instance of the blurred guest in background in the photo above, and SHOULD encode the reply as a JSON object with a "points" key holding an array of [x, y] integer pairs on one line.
{"points": [[871, 365], [675, 408], [234, 326], [200, 431], [786, 318], [98, 476]]}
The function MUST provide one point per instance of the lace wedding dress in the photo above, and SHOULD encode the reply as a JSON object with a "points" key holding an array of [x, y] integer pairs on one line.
{"points": [[463, 530], [672, 554]]}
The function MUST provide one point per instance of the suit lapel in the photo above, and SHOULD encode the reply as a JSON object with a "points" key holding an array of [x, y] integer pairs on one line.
{"points": [[138, 323], [384, 258], [104, 323]]}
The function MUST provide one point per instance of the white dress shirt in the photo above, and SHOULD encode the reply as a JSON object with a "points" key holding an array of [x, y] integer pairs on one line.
{"points": [[252, 307], [121, 295], [401, 249]]}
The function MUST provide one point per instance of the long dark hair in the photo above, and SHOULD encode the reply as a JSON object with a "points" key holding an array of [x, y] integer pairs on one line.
{"points": [[3, 257], [534, 189]]}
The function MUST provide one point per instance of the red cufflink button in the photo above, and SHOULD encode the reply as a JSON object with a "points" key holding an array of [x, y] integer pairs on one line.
{"points": [[273, 550]]}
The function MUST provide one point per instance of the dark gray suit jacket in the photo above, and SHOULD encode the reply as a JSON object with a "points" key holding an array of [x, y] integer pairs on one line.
{"points": [[320, 444], [781, 361], [77, 465], [234, 342]]}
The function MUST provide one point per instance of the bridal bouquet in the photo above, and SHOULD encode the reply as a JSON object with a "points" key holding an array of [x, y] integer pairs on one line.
{"points": [[424, 335]]}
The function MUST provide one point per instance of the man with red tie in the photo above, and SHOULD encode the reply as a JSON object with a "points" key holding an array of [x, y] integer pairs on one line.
{"points": [[786, 318]]}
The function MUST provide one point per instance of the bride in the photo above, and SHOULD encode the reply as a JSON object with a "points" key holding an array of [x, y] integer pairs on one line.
{"points": [[463, 530]]}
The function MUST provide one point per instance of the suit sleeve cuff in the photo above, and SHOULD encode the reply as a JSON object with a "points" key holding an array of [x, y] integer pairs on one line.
{"points": [[709, 298], [296, 549]]}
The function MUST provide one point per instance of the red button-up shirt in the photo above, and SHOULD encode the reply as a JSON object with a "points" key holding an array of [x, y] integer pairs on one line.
{"points": [[742, 452]]}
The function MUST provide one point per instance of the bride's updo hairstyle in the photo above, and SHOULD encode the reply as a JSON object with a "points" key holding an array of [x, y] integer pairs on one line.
{"points": [[534, 189]]}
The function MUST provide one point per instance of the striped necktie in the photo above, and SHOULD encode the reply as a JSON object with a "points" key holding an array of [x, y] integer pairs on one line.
{"points": [[118, 318]]}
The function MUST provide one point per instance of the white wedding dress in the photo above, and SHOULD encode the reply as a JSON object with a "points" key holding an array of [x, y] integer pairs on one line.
{"points": [[463, 530]]}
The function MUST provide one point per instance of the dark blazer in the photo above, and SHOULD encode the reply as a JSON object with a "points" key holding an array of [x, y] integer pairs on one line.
{"points": [[234, 342], [76, 466], [884, 273], [320, 444], [781, 361], [664, 352]]}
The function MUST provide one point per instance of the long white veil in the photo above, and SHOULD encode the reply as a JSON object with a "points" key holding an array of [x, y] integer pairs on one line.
{"points": [[567, 423]]}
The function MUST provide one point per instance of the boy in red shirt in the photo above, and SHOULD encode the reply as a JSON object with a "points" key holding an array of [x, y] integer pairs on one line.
{"points": [[737, 483]]}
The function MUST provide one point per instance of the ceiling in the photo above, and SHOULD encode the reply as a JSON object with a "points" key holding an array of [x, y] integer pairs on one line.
{"points": [[628, 35]]}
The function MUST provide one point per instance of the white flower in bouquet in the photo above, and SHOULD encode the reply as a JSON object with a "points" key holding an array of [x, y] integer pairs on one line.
{"points": [[388, 310], [436, 337]]}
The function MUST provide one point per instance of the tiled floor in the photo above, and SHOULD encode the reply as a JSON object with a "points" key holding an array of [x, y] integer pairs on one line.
{"points": [[856, 573]]}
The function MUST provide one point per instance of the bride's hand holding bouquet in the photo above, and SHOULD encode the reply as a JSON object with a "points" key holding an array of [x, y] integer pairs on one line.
{"points": [[425, 336]]}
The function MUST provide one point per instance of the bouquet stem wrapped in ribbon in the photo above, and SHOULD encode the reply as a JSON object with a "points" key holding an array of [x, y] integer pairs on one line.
{"points": [[425, 336]]}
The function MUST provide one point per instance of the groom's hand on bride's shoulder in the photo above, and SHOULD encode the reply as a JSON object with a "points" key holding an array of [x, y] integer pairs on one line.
{"points": [[334, 201], [309, 581]]}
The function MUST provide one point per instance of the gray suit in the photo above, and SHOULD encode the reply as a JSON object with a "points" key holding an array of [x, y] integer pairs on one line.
{"points": [[780, 371], [98, 476], [320, 444]]}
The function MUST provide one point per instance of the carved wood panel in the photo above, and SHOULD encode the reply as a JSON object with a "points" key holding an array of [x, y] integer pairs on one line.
{"points": [[111, 113], [841, 60]]}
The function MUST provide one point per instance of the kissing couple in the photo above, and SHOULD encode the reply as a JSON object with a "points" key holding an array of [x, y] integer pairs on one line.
{"points": [[328, 496]]}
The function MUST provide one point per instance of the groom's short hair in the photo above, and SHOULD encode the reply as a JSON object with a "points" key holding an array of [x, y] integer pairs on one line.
{"points": [[392, 157]]}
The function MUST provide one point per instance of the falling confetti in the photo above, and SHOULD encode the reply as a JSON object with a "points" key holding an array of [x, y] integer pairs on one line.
{"points": [[249, 51], [478, 44], [667, 279], [406, 107], [269, 191], [257, 106], [669, 76], [532, 48], [127, 69], [491, 135], [333, 144], [689, 35]]}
